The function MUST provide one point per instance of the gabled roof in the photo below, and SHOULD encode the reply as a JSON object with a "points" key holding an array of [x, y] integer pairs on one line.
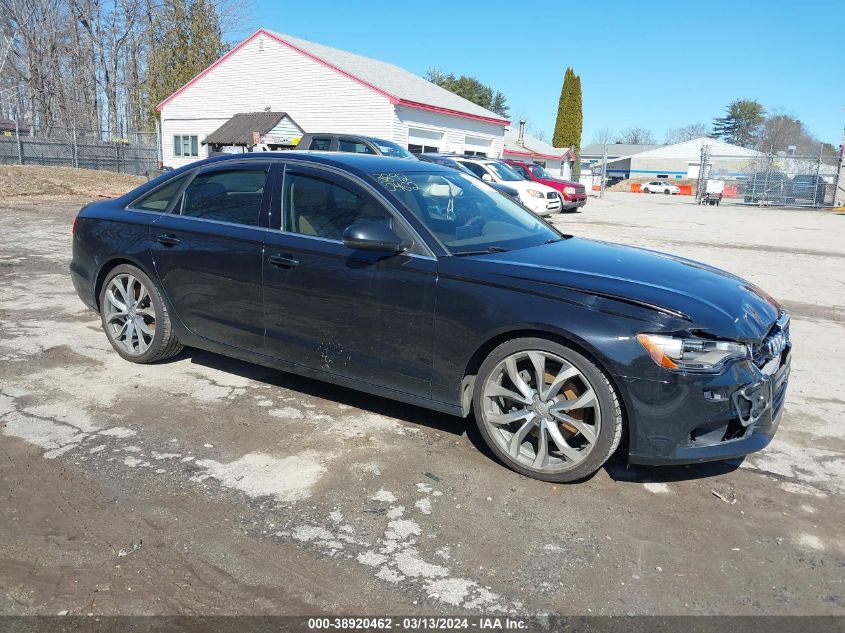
{"points": [[397, 84], [692, 149], [238, 130], [616, 149], [534, 148]]}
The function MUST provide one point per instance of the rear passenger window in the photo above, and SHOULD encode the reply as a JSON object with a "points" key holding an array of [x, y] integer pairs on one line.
{"points": [[161, 197], [231, 195], [322, 144], [356, 147]]}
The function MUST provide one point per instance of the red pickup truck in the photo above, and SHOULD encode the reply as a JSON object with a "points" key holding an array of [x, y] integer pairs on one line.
{"points": [[572, 194]]}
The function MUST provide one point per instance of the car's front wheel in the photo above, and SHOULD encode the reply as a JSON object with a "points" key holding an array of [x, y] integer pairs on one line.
{"points": [[546, 411], [667, 191], [135, 317]]}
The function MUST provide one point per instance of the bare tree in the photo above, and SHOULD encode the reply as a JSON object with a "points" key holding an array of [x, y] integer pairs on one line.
{"points": [[686, 133], [636, 136], [782, 131], [603, 136]]}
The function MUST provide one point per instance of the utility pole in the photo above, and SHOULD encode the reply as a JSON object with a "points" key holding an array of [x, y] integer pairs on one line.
{"points": [[603, 169], [839, 187]]}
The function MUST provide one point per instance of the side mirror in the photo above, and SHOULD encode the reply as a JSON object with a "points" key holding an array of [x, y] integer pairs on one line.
{"points": [[486, 177], [374, 236]]}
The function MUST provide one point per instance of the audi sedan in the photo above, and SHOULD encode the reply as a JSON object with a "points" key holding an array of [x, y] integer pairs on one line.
{"points": [[416, 282]]}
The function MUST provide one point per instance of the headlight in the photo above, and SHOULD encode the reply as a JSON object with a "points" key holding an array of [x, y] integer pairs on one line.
{"points": [[536, 194], [692, 354], [569, 190]]}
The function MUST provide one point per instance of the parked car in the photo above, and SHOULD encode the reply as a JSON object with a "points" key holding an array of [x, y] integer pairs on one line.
{"points": [[449, 161], [660, 186], [572, 194], [539, 198], [768, 187], [329, 142], [413, 281], [808, 187]]}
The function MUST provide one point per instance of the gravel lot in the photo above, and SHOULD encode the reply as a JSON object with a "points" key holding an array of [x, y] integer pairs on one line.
{"points": [[206, 485]]}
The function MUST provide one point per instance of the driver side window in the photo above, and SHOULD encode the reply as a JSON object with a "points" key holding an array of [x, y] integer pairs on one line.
{"points": [[320, 208]]}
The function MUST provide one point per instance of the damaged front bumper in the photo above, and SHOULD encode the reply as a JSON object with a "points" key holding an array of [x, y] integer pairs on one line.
{"points": [[690, 418]]}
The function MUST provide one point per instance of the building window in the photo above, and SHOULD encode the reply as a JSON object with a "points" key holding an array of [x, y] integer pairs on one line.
{"points": [[184, 145], [662, 175], [422, 149], [471, 152]]}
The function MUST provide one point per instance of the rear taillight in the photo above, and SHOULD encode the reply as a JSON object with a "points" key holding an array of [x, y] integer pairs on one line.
{"points": [[73, 228]]}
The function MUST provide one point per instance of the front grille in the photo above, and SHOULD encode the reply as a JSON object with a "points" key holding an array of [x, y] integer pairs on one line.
{"points": [[579, 190], [552, 194]]}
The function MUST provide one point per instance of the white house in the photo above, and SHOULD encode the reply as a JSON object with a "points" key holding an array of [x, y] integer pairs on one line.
{"points": [[323, 89], [555, 160]]}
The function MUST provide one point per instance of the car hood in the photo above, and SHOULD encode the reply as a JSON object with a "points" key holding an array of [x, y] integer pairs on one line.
{"points": [[525, 185], [561, 182], [713, 300]]}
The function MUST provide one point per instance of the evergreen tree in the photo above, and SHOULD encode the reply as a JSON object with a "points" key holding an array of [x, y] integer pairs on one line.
{"points": [[569, 122], [188, 39], [470, 89], [741, 124]]}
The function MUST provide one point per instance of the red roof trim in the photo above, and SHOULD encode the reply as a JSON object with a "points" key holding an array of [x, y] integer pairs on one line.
{"points": [[441, 110], [529, 154], [393, 99]]}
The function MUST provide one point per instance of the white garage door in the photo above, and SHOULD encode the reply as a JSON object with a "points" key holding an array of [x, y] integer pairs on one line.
{"points": [[420, 141], [476, 146]]}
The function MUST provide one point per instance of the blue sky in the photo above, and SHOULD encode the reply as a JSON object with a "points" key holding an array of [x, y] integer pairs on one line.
{"points": [[640, 65]]}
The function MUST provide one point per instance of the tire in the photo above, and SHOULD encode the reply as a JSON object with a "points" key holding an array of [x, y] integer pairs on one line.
{"points": [[498, 402], [667, 192], [645, 190], [141, 332]]}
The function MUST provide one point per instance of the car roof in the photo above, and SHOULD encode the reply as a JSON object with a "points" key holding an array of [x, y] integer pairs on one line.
{"points": [[363, 136], [362, 163]]}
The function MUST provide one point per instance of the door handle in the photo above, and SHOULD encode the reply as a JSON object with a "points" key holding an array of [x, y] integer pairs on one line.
{"points": [[169, 240], [283, 262]]}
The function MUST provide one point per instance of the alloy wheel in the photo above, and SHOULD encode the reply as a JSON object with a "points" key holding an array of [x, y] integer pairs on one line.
{"points": [[541, 411], [129, 314]]}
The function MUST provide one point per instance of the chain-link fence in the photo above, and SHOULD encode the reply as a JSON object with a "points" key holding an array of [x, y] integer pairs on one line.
{"points": [[780, 179], [130, 152]]}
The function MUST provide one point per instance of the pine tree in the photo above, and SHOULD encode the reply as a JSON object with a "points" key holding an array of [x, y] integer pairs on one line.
{"points": [[187, 39], [741, 124], [569, 121]]}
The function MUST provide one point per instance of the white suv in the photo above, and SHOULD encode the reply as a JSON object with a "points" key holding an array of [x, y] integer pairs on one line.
{"points": [[541, 199]]}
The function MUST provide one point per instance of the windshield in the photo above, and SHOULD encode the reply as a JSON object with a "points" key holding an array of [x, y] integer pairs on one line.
{"points": [[503, 172], [392, 149], [539, 171], [465, 214]]}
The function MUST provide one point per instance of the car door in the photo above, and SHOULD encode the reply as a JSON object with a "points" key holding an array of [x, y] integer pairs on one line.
{"points": [[207, 253], [361, 315]]}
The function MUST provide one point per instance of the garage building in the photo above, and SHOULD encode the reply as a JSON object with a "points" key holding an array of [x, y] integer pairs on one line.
{"points": [[677, 161], [323, 89]]}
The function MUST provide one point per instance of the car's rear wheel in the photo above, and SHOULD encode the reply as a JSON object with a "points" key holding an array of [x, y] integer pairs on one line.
{"points": [[546, 411], [645, 190], [135, 317]]}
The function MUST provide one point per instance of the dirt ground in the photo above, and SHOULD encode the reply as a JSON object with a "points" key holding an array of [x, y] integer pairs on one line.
{"points": [[209, 486], [30, 180]]}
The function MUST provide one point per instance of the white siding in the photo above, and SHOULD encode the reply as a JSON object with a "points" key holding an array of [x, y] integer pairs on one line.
{"points": [[285, 129], [453, 128], [266, 73]]}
